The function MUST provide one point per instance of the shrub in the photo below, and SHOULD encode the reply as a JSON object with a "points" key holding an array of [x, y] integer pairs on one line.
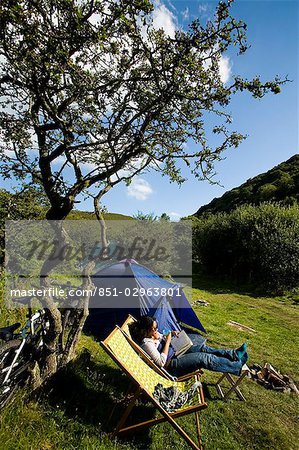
{"points": [[258, 244]]}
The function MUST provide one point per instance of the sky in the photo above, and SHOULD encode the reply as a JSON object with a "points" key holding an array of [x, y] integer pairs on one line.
{"points": [[271, 123]]}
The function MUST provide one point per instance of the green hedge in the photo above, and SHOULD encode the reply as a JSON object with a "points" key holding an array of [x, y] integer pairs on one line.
{"points": [[258, 244]]}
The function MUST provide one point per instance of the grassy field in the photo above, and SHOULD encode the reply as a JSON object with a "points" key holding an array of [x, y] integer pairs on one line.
{"points": [[72, 410]]}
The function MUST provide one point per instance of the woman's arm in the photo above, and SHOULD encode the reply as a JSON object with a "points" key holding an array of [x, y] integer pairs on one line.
{"points": [[166, 346], [151, 349]]}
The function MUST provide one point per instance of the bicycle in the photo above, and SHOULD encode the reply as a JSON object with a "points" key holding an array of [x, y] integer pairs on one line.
{"points": [[20, 350], [24, 348]]}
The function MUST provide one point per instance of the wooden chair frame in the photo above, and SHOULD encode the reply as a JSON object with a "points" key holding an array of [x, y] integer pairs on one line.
{"points": [[234, 383], [121, 430]]}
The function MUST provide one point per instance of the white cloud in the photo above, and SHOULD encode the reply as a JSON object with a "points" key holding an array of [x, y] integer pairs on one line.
{"points": [[3, 60], [163, 18], [95, 19], [172, 5], [186, 14], [224, 68], [224, 65], [203, 8], [139, 189]]}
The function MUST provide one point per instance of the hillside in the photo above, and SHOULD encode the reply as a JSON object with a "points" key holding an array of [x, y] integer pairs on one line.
{"points": [[280, 184], [32, 204], [89, 215]]}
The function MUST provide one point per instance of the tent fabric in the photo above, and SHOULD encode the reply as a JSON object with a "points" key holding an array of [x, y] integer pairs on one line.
{"points": [[168, 310], [183, 310], [164, 316], [97, 255], [149, 278]]}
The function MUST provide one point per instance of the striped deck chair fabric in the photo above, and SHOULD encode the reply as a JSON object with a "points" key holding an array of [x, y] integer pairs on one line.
{"points": [[145, 379]]}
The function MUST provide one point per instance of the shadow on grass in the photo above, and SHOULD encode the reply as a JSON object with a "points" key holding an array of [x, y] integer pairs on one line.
{"points": [[216, 285], [209, 392], [87, 391]]}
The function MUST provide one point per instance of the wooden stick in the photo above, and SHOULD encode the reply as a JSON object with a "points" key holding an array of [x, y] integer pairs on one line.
{"points": [[232, 323]]}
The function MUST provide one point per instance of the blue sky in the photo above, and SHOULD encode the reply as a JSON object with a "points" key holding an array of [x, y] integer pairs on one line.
{"points": [[270, 123]]}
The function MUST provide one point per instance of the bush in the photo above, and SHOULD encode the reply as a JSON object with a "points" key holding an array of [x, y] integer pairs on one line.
{"points": [[259, 244]]}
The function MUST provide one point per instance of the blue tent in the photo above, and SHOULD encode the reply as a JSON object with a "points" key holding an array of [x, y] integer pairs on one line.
{"points": [[139, 292]]}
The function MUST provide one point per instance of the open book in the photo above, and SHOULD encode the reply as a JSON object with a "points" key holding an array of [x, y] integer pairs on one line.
{"points": [[181, 343]]}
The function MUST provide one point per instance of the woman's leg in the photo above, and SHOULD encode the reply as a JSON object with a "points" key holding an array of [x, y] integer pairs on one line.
{"points": [[199, 360], [197, 339], [224, 353]]}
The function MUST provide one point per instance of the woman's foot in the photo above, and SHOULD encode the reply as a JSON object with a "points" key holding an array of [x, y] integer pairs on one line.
{"points": [[244, 358], [241, 351]]}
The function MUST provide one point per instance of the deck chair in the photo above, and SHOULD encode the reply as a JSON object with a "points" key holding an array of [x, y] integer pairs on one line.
{"points": [[233, 380], [145, 378]]}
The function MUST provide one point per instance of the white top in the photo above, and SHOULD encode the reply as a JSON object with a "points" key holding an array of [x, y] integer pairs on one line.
{"points": [[150, 346]]}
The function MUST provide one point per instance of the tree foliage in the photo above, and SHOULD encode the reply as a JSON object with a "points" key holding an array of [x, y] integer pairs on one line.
{"points": [[92, 94], [149, 217], [165, 216], [26, 203], [256, 244]]}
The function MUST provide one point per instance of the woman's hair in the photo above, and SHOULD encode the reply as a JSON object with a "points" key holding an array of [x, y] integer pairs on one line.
{"points": [[141, 328]]}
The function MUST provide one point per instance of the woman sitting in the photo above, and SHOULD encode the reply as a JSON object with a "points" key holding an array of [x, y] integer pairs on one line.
{"points": [[145, 332]]}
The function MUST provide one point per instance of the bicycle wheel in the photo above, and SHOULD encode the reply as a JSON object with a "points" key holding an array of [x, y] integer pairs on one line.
{"points": [[18, 374]]}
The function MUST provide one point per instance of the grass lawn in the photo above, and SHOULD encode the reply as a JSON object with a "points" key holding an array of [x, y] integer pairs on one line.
{"points": [[72, 410]]}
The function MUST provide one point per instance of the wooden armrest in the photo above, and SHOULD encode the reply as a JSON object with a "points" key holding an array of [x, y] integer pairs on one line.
{"points": [[189, 375]]}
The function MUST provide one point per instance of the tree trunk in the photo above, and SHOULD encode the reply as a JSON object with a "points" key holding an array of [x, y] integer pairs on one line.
{"points": [[51, 360], [100, 217], [80, 314]]}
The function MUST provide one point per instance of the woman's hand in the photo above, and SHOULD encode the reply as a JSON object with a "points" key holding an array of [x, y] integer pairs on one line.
{"points": [[169, 336], [175, 333]]}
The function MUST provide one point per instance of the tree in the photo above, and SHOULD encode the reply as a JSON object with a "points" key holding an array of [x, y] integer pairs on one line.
{"points": [[165, 216], [92, 95], [27, 203], [285, 185], [267, 192], [150, 217]]}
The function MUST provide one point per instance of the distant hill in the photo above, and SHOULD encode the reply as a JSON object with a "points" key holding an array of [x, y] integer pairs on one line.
{"points": [[89, 215], [280, 184], [32, 204]]}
